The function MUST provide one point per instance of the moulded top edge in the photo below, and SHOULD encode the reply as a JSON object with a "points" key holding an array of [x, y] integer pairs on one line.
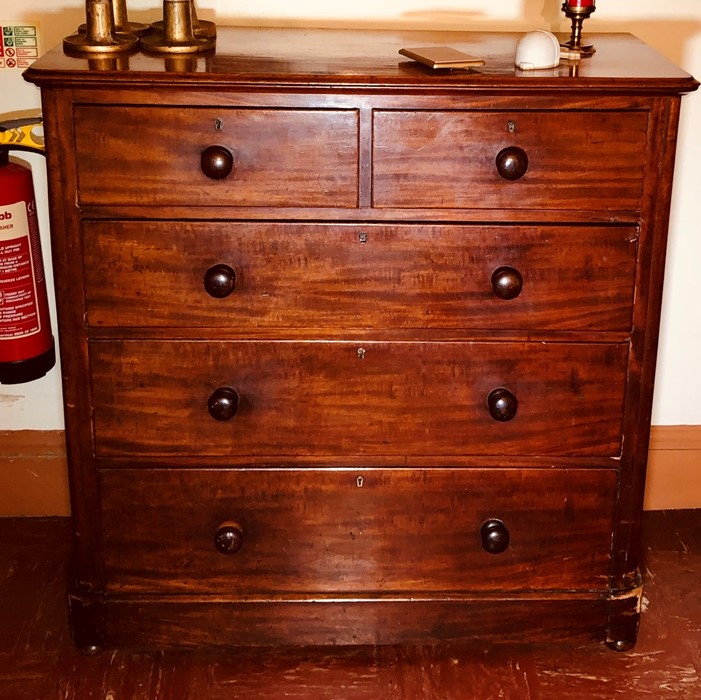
{"points": [[294, 58]]}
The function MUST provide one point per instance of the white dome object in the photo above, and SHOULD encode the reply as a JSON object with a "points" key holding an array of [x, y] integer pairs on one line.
{"points": [[536, 50]]}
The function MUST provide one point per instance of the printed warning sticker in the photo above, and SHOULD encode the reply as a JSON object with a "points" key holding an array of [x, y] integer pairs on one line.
{"points": [[19, 44]]}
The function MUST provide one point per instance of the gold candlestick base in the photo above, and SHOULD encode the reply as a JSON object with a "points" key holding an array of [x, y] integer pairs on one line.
{"points": [[177, 35], [158, 42], [100, 36], [574, 46], [136, 29], [83, 44]]}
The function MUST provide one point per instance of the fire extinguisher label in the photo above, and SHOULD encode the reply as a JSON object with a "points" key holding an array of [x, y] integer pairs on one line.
{"points": [[19, 313]]}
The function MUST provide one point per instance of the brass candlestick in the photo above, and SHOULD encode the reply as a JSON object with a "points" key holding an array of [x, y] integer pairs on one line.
{"points": [[122, 25], [100, 36], [200, 27], [577, 15], [177, 34]]}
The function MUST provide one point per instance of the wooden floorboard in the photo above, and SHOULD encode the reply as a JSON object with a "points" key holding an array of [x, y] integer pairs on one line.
{"points": [[38, 662]]}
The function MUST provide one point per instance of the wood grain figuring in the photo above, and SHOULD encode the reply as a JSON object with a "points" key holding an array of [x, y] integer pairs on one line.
{"points": [[293, 158], [371, 398], [356, 532], [146, 274], [447, 159], [303, 260]]}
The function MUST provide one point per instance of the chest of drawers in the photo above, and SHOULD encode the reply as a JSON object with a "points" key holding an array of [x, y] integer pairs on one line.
{"points": [[355, 352]]}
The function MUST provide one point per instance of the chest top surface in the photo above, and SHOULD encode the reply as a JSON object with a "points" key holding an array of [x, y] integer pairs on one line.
{"points": [[296, 57]]}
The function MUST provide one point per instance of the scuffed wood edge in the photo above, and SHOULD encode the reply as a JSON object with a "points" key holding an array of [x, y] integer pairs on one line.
{"points": [[624, 617]]}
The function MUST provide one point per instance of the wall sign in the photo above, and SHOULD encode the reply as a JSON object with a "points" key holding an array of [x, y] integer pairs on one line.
{"points": [[19, 44]]}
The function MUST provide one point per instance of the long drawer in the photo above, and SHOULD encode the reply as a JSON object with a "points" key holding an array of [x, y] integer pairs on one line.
{"points": [[255, 398], [290, 158], [277, 275], [509, 160], [341, 531]]}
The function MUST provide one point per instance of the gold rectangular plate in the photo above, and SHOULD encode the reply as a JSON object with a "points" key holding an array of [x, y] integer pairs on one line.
{"points": [[442, 57]]}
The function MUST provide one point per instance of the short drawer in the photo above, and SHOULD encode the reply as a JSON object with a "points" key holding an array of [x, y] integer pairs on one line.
{"points": [[277, 399], [341, 531], [591, 160], [253, 276], [162, 156]]}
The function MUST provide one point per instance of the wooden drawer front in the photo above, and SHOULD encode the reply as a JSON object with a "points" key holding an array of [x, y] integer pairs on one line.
{"points": [[152, 155], [576, 160], [142, 274], [375, 398], [361, 531]]}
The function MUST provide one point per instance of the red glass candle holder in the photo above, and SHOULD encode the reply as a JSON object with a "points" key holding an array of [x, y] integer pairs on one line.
{"points": [[577, 11]]}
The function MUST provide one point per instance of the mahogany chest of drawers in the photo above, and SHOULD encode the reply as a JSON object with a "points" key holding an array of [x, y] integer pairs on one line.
{"points": [[354, 351]]}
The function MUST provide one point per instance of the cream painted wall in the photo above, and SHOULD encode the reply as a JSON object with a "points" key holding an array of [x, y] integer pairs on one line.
{"points": [[673, 27]]}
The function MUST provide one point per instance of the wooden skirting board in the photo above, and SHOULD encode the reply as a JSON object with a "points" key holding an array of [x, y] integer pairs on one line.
{"points": [[33, 474], [34, 482], [674, 468]]}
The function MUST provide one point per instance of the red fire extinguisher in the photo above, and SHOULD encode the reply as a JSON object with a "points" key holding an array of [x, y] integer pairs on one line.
{"points": [[26, 343]]}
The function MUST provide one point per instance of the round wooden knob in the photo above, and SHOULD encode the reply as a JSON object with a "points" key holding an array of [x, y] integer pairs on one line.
{"points": [[507, 282], [223, 403], [495, 536], [512, 163], [216, 162], [219, 281], [228, 539], [502, 404]]}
